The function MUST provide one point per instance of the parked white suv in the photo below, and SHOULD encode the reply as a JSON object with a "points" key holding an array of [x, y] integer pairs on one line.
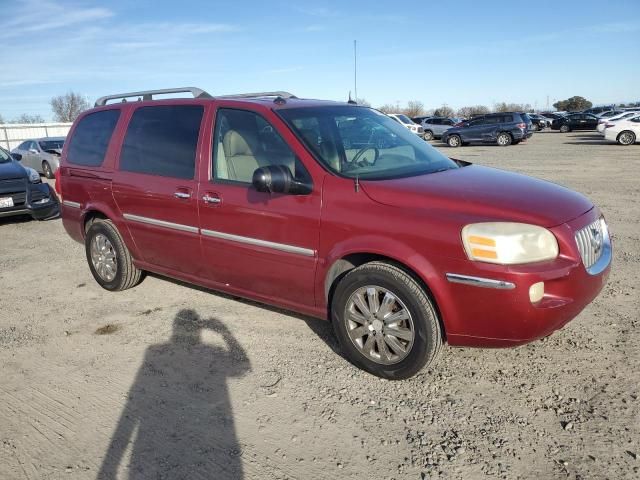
{"points": [[407, 122]]}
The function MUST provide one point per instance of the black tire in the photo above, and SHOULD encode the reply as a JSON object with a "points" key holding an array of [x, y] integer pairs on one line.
{"points": [[626, 137], [504, 139], [127, 275], [454, 141], [428, 135], [427, 341], [564, 129], [46, 169]]}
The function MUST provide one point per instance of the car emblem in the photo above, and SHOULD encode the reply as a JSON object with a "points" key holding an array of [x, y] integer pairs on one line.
{"points": [[596, 240]]}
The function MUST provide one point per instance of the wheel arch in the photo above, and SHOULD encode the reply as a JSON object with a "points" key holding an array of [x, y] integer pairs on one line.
{"points": [[96, 212], [341, 266]]}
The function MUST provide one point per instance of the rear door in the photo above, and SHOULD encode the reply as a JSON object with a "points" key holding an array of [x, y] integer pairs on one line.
{"points": [[155, 185], [260, 243]]}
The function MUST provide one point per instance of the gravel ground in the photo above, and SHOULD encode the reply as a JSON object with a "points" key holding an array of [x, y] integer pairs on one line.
{"points": [[171, 381]]}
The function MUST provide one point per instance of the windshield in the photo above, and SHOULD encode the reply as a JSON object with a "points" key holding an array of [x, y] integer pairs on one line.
{"points": [[51, 144], [404, 119], [4, 156], [362, 142]]}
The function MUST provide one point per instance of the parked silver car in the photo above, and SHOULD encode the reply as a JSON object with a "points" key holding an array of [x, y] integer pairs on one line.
{"points": [[434, 127], [41, 154]]}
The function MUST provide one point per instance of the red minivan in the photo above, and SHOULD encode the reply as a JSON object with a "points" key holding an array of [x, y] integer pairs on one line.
{"points": [[333, 210]]}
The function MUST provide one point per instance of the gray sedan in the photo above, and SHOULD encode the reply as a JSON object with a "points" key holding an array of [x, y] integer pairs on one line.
{"points": [[41, 154]]}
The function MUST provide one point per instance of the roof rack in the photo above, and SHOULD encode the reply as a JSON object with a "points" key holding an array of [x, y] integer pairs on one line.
{"points": [[148, 94], [281, 94]]}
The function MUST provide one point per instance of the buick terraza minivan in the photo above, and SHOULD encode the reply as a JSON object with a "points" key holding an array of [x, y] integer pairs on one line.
{"points": [[333, 210]]}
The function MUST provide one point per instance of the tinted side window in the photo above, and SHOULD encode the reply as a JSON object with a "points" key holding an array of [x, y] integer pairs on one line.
{"points": [[245, 141], [91, 138], [162, 141], [507, 119], [23, 146]]}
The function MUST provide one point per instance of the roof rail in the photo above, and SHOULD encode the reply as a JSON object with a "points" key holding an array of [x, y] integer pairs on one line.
{"points": [[280, 94], [148, 94]]}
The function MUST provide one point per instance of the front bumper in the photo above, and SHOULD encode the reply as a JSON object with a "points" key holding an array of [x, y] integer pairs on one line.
{"points": [[38, 200], [503, 316]]}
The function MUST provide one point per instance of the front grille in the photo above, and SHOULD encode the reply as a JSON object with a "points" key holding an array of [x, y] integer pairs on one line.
{"points": [[591, 242]]}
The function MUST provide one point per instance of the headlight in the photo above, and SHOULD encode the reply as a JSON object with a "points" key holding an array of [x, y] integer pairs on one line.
{"points": [[34, 177], [508, 243]]}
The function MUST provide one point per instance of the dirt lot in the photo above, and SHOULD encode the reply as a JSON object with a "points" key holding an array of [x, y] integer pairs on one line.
{"points": [[169, 381]]}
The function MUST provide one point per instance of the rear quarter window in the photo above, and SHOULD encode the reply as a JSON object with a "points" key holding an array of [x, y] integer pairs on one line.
{"points": [[91, 138], [162, 140]]}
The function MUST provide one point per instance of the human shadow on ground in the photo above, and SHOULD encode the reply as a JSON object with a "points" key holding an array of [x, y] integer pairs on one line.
{"points": [[178, 420]]}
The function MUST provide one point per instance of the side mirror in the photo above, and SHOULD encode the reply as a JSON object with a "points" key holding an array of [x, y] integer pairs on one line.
{"points": [[278, 179], [16, 156]]}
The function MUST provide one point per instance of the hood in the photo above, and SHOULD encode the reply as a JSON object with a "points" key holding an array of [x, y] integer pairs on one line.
{"points": [[11, 170], [485, 193]]}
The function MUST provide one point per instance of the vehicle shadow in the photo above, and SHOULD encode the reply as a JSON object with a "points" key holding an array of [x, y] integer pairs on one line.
{"points": [[178, 420], [15, 219], [322, 329]]}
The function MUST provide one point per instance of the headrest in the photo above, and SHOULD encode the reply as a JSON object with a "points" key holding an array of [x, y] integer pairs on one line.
{"points": [[236, 144]]}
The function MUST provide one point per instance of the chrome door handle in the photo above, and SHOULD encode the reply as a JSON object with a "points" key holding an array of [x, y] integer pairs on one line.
{"points": [[210, 199], [182, 195]]}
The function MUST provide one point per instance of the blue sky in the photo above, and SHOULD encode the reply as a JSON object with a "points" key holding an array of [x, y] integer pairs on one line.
{"points": [[476, 52]]}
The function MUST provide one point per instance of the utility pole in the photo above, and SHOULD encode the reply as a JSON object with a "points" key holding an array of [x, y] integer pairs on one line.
{"points": [[355, 70]]}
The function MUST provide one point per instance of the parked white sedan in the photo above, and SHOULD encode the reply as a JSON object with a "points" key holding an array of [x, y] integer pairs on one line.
{"points": [[625, 132], [621, 116]]}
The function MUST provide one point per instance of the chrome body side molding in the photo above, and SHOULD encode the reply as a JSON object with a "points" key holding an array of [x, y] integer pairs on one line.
{"points": [[307, 252], [161, 223], [480, 281]]}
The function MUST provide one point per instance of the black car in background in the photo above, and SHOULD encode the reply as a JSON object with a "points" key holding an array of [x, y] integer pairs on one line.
{"points": [[22, 191], [538, 121], [505, 128], [575, 121]]}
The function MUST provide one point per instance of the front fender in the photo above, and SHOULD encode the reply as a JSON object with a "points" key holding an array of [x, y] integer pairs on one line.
{"points": [[383, 246]]}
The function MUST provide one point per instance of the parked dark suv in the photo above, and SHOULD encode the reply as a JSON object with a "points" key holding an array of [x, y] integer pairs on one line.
{"points": [[333, 210], [502, 128]]}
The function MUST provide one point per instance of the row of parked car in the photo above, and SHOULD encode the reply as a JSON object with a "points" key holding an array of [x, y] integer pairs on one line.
{"points": [[510, 128]]}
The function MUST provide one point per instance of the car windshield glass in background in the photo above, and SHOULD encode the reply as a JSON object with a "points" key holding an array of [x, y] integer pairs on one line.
{"points": [[404, 119], [362, 142], [4, 156], [51, 144]]}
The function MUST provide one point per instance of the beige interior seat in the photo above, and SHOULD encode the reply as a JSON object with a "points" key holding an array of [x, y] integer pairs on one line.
{"points": [[240, 155]]}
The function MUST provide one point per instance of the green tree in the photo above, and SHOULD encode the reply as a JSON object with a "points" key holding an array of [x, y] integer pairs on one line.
{"points": [[573, 104]]}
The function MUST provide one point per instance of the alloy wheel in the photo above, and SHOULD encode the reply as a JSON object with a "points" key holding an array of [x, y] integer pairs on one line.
{"points": [[379, 325], [103, 257]]}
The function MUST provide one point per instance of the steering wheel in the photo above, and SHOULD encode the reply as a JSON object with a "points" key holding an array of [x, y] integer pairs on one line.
{"points": [[365, 162]]}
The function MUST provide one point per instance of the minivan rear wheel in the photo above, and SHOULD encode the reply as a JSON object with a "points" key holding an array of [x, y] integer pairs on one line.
{"points": [[109, 259], [454, 141], [504, 139], [385, 322]]}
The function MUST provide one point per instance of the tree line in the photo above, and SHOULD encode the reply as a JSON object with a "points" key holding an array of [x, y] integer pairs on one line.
{"points": [[65, 108]]}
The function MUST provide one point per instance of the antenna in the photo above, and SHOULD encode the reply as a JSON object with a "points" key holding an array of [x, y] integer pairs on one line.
{"points": [[355, 69]]}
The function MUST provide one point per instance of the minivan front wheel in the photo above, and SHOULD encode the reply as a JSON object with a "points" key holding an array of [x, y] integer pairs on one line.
{"points": [[385, 322], [109, 259], [454, 141], [504, 139]]}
